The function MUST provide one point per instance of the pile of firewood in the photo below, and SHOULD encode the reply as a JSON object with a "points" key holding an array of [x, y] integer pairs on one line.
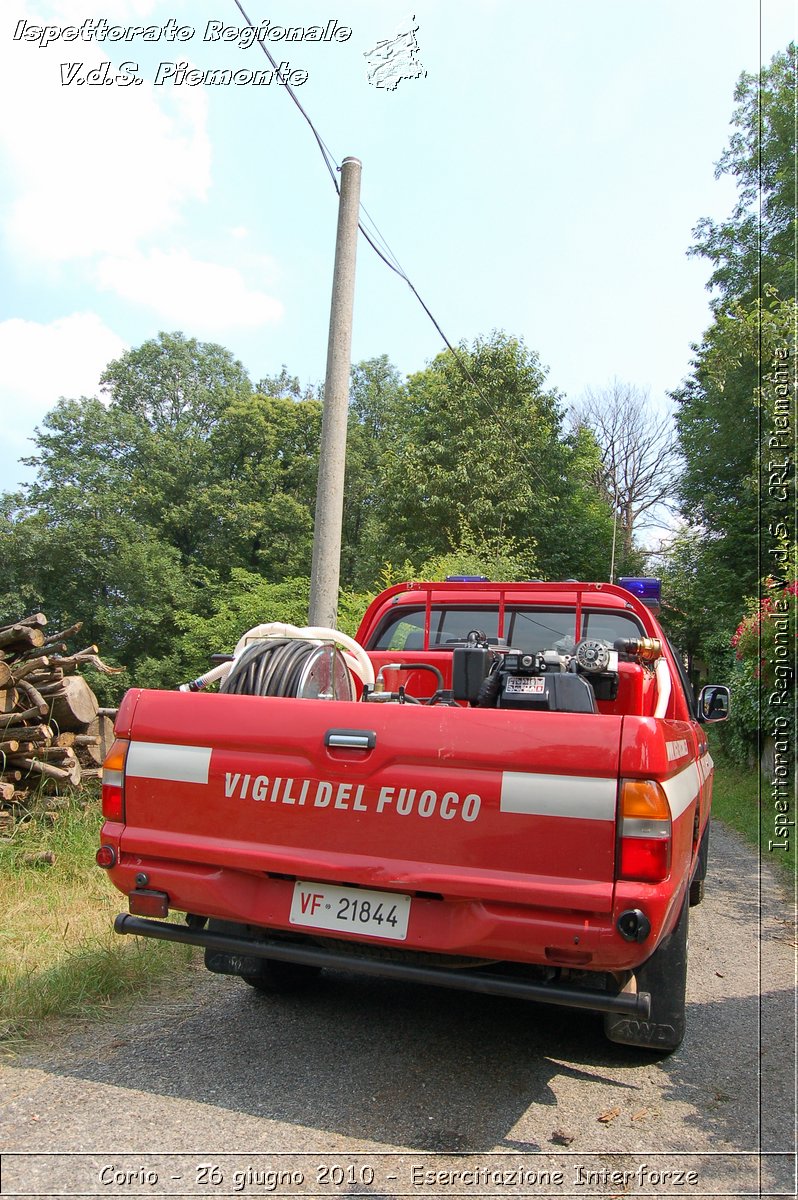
{"points": [[53, 734]]}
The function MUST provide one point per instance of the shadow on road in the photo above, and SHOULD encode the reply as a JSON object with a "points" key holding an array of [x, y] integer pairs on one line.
{"points": [[409, 1066]]}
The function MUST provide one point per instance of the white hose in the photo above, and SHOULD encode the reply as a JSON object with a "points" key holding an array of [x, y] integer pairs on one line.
{"points": [[356, 658], [202, 681], [663, 674]]}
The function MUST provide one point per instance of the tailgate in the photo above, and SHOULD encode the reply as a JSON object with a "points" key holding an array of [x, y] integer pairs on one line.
{"points": [[471, 803]]}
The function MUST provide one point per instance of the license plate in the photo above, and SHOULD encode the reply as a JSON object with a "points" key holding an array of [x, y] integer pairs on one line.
{"points": [[527, 685], [350, 910]]}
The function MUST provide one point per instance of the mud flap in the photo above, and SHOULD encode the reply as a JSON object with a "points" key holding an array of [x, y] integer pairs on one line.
{"points": [[664, 975], [232, 964]]}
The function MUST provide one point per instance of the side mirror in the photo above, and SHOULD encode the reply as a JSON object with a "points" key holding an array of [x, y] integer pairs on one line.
{"points": [[713, 703]]}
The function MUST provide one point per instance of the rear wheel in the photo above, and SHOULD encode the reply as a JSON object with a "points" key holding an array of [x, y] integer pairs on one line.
{"points": [[271, 975], [278, 978], [664, 975], [702, 858]]}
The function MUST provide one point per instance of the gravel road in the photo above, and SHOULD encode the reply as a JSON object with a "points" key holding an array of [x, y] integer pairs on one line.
{"points": [[366, 1087]]}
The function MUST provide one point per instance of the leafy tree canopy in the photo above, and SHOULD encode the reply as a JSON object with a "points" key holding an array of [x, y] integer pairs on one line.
{"points": [[755, 246], [477, 453]]}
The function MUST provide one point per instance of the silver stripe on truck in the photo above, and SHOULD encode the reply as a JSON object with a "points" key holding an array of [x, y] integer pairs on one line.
{"points": [[558, 796], [178, 764]]}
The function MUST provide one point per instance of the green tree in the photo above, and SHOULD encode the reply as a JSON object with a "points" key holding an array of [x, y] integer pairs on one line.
{"points": [[168, 396], [489, 463], [142, 504], [755, 246], [77, 555], [375, 398], [260, 492], [730, 419], [726, 417], [245, 600]]}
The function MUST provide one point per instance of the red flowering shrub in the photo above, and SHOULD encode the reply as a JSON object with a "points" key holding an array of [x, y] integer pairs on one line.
{"points": [[765, 638]]}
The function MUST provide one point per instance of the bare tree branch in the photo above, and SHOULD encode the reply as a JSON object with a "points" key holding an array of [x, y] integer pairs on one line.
{"points": [[640, 463]]}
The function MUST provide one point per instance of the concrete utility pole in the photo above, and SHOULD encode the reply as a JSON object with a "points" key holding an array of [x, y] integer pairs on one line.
{"points": [[326, 568]]}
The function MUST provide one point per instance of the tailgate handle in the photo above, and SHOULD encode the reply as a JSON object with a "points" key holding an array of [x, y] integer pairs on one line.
{"points": [[350, 739]]}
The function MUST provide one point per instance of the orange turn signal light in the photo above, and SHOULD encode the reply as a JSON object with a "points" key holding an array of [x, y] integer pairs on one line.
{"points": [[644, 798], [113, 777]]}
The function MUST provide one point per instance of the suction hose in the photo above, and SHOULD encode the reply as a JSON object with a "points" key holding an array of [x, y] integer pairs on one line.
{"points": [[355, 656]]}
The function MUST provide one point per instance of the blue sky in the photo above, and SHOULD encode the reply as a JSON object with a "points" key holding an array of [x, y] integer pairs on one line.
{"points": [[543, 177]]}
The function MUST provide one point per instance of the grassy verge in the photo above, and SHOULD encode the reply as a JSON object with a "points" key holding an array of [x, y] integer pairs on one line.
{"points": [[59, 955], [736, 798]]}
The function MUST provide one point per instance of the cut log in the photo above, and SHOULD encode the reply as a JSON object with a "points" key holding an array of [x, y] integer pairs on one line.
{"points": [[34, 697], [34, 619], [7, 792], [67, 774], [21, 635], [56, 754], [9, 698], [11, 747], [21, 670], [33, 733], [63, 634], [86, 659], [16, 718], [6, 821], [5, 675], [32, 765], [39, 858], [66, 739], [97, 739], [77, 707], [49, 647], [52, 687]]}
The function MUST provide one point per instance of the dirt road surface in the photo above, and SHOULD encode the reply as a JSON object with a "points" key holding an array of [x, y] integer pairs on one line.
{"points": [[365, 1087]]}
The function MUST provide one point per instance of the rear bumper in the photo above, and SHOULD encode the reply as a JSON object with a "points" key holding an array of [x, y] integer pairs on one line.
{"points": [[471, 928], [630, 1003]]}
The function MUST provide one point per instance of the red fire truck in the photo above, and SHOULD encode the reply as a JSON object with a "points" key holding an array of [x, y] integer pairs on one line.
{"points": [[503, 787]]}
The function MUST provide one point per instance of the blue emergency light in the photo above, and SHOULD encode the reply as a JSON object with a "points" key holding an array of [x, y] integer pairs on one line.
{"points": [[466, 579], [647, 589]]}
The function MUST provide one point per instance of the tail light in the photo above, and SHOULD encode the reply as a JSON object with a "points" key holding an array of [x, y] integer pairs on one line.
{"points": [[113, 802], [645, 834]]}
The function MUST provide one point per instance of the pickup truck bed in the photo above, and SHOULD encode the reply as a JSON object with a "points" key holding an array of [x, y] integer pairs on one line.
{"points": [[548, 852]]}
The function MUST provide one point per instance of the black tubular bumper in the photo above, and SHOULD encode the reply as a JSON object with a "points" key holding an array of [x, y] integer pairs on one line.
{"points": [[633, 1004]]}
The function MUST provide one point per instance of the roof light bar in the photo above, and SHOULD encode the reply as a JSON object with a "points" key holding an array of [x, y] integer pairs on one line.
{"points": [[647, 589]]}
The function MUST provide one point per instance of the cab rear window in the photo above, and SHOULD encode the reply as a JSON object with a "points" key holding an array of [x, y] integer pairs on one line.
{"points": [[529, 629]]}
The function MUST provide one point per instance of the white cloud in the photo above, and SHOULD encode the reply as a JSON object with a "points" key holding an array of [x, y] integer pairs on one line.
{"points": [[40, 364], [188, 292], [94, 169]]}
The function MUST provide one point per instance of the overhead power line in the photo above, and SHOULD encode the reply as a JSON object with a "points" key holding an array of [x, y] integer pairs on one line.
{"points": [[386, 255]]}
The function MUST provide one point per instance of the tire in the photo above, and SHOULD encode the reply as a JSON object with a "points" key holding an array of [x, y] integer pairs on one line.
{"points": [[664, 975], [270, 975], [278, 978], [702, 858]]}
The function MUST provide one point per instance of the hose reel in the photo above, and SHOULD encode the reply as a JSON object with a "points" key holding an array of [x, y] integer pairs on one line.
{"points": [[303, 668], [278, 659]]}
